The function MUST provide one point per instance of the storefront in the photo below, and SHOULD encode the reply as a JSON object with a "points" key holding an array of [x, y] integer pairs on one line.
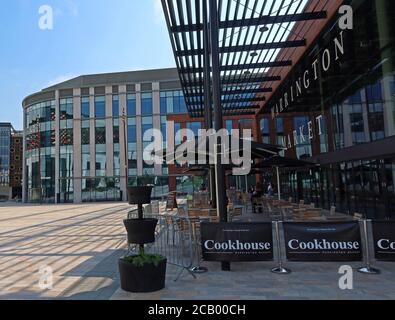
{"points": [[337, 109]]}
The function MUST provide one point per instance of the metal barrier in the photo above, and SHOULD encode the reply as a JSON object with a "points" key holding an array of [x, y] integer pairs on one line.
{"points": [[175, 240]]}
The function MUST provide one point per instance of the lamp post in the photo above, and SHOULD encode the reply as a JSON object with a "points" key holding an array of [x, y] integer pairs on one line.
{"points": [[38, 144], [124, 120]]}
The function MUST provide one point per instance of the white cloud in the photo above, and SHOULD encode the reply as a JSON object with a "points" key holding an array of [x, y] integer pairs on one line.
{"points": [[60, 79], [158, 11]]}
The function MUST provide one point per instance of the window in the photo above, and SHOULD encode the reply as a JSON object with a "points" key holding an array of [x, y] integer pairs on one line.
{"points": [[86, 158], [172, 102], [132, 132], [163, 128], [303, 148], [100, 132], [131, 105], [85, 108], [115, 106], [146, 125], [357, 124], [101, 160], [265, 130], [280, 125], [229, 126], [66, 109], [146, 104], [177, 132], [100, 107], [195, 127]]}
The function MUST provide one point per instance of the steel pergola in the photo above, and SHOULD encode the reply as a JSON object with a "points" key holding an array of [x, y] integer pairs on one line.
{"points": [[225, 52], [251, 35]]}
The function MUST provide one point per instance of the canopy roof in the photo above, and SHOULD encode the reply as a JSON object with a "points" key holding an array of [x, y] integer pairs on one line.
{"points": [[251, 35], [282, 162]]}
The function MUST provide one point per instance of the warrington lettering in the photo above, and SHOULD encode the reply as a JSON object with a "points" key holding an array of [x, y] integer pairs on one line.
{"points": [[318, 67]]}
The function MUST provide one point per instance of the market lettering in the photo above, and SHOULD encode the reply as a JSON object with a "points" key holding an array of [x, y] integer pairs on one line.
{"points": [[171, 311], [304, 81], [300, 135]]}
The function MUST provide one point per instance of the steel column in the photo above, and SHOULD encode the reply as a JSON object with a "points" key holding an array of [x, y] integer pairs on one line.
{"points": [[218, 121]]}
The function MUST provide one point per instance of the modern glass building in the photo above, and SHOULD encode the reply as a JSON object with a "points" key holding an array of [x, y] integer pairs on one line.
{"points": [[10, 162], [75, 137], [342, 114]]}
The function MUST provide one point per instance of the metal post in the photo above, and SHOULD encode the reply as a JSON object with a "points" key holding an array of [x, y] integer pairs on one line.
{"points": [[367, 269], [126, 150], [279, 269], [246, 180], [218, 121], [197, 268], [207, 96], [278, 183]]}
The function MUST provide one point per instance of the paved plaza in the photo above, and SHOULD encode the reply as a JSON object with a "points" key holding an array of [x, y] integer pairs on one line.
{"points": [[81, 243]]}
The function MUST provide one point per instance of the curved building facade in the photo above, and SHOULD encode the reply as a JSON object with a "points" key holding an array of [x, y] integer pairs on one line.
{"points": [[75, 137]]}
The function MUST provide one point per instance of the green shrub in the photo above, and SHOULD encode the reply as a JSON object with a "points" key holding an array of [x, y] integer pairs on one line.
{"points": [[144, 259]]}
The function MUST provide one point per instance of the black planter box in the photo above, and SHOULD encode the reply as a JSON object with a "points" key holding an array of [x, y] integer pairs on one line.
{"points": [[139, 195], [141, 231], [148, 278]]}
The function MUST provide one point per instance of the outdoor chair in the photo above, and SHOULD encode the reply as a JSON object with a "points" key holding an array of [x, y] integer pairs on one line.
{"points": [[257, 205], [236, 212], [245, 198]]}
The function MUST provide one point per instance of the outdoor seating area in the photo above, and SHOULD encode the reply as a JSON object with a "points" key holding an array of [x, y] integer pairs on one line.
{"points": [[243, 207]]}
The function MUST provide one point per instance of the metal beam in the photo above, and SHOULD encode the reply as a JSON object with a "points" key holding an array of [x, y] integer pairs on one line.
{"points": [[227, 81], [247, 48], [235, 92], [274, 64], [263, 20]]}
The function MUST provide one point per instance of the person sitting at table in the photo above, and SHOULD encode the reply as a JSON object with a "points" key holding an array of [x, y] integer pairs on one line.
{"points": [[270, 190]]}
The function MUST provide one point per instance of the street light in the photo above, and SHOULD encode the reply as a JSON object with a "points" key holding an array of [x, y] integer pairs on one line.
{"points": [[125, 147]]}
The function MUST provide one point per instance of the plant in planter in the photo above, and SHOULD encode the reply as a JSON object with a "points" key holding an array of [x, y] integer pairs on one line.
{"points": [[142, 272]]}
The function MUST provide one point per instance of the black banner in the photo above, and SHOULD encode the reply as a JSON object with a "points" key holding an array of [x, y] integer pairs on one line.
{"points": [[235, 242], [318, 241], [384, 240]]}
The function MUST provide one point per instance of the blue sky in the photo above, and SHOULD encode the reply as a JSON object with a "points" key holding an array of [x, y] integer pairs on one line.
{"points": [[89, 36]]}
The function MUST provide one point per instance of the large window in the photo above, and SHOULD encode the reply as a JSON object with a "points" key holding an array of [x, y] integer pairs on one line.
{"points": [[115, 106], [146, 104], [195, 127], [100, 107], [131, 105], [303, 148], [132, 132], [85, 108], [172, 102], [265, 130]]}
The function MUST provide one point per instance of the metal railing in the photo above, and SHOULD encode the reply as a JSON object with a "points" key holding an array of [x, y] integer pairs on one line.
{"points": [[175, 240]]}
